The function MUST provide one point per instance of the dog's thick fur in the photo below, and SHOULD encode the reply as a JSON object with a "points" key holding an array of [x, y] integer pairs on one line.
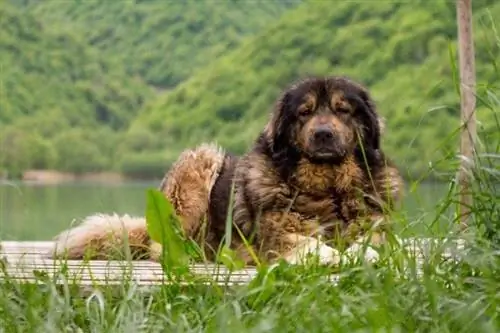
{"points": [[316, 174]]}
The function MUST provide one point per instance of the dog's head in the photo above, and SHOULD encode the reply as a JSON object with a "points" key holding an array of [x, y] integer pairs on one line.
{"points": [[324, 120]]}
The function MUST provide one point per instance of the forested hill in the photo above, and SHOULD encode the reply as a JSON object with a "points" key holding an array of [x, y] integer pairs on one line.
{"points": [[403, 51], [161, 41], [75, 72], [58, 94], [122, 85]]}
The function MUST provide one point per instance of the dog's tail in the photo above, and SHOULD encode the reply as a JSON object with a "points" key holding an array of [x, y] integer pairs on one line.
{"points": [[187, 185], [105, 236]]}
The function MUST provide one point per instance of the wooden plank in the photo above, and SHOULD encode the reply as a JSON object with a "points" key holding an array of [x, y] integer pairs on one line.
{"points": [[26, 260], [117, 271], [37, 247], [42, 247], [23, 259], [31, 255]]}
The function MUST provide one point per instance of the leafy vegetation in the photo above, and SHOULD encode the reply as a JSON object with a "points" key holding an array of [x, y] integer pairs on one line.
{"points": [[162, 42], [61, 103], [164, 227], [75, 73], [459, 298]]}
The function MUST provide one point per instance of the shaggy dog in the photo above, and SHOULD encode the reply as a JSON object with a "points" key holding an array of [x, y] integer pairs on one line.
{"points": [[316, 175]]}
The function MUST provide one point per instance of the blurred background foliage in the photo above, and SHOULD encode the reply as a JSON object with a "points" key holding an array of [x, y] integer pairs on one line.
{"points": [[124, 86]]}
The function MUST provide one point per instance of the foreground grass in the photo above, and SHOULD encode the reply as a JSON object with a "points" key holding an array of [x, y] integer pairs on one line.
{"points": [[446, 297]]}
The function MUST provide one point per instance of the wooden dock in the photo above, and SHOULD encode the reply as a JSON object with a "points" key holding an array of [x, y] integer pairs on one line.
{"points": [[29, 261]]}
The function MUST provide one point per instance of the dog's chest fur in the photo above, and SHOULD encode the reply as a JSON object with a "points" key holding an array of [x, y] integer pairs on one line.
{"points": [[327, 192], [322, 179], [324, 193]]}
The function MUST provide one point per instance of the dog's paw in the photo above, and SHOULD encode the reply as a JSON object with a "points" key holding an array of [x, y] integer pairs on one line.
{"points": [[155, 251], [358, 250], [312, 247]]}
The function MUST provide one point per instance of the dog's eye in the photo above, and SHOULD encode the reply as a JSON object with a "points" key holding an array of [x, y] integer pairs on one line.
{"points": [[344, 109], [340, 103], [305, 110], [307, 105]]}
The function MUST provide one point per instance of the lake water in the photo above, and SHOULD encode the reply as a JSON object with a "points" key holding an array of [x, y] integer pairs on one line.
{"points": [[38, 212]]}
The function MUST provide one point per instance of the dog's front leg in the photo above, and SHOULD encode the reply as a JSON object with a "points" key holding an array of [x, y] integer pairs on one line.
{"points": [[364, 247], [304, 246], [288, 236], [369, 237]]}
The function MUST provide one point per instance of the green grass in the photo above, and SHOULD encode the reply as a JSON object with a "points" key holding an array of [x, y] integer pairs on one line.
{"points": [[449, 298]]}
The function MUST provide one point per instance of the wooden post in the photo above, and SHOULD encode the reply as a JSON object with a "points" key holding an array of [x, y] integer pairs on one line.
{"points": [[467, 105]]}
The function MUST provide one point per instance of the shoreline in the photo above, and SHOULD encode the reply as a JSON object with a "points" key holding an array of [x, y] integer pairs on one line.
{"points": [[53, 177]]}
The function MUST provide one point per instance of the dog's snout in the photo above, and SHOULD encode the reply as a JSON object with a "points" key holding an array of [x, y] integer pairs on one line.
{"points": [[323, 134]]}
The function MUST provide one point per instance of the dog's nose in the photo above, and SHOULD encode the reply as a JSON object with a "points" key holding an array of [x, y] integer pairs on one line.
{"points": [[323, 134]]}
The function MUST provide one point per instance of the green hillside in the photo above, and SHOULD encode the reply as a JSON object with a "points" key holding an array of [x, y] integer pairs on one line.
{"points": [[54, 88], [404, 52], [162, 41], [74, 73]]}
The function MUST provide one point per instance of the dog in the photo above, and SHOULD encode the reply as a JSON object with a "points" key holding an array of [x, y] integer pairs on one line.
{"points": [[315, 181]]}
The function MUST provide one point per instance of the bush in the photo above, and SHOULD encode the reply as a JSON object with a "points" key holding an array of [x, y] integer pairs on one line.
{"points": [[144, 165], [78, 153], [21, 150]]}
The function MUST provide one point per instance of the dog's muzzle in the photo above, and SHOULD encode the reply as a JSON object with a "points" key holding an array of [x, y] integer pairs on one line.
{"points": [[323, 136], [325, 143]]}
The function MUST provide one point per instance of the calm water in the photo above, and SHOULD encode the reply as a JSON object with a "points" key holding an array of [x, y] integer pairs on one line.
{"points": [[38, 212]]}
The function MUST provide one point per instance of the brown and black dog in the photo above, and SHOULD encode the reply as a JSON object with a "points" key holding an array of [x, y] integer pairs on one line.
{"points": [[316, 174]]}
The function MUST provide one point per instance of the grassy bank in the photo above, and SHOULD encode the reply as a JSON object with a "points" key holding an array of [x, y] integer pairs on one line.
{"points": [[451, 298]]}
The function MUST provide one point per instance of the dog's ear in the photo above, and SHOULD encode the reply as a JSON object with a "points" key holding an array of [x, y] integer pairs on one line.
{"points": [[279, 134], [276, 131], [368, 152], [371, 122]]}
